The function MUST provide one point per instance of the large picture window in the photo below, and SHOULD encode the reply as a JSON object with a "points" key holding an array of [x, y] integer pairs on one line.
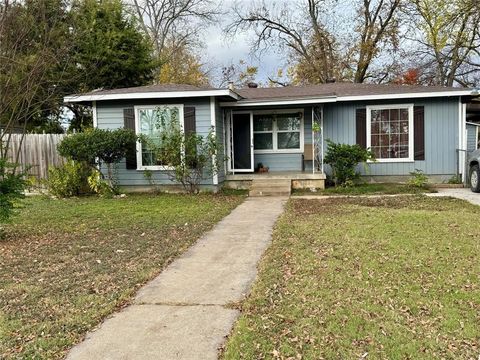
{"points": [[390, 132], [277, 132], [151, 121]]}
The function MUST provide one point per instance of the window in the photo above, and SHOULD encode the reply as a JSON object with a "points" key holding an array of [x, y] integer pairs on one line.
{"points": [[288, 131], [263, 132], [390, 132], [277, 132], [150, 122]]}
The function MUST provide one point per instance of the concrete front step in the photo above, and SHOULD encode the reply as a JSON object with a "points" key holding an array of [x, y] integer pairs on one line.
{"points": [[254, 193], [271, 187]]}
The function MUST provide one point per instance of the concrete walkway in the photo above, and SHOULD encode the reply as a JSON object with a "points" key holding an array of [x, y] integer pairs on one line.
{"points": [[459, 193], [184, 312]]}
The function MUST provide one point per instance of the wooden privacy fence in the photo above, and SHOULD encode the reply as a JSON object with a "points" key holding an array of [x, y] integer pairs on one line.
{"points": [[38, 152]]}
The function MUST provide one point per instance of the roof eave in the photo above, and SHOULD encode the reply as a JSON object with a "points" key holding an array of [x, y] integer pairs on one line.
{"points": [[273, 102], [151, 95], [330, 99], [415, 95]]}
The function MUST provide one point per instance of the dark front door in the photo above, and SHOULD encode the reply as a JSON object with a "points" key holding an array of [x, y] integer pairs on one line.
{"points": [[242, 142]]}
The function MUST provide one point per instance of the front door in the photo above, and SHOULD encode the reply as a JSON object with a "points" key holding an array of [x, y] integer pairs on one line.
{"points": [[242, 142]]}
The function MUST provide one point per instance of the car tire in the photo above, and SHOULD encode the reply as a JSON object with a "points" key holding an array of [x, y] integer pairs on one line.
{"points": [[475, 178]]}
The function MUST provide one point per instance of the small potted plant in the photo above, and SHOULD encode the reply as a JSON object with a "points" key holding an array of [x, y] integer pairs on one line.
{"points": [[261, 168]]}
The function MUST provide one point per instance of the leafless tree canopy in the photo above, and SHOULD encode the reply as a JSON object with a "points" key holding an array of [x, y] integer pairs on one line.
{"points": [[296, 30], [174, 24], [448, 44], [439, 39]]}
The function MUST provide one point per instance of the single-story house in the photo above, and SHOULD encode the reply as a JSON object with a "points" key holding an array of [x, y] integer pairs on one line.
{"points": [[407, 128]]}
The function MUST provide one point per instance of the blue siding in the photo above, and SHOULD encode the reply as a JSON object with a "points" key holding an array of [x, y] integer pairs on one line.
{"points": [[110, 116], [280, 162], [471, 137], [441, 135]]}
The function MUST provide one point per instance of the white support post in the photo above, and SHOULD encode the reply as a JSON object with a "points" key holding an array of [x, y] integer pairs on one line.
{"points": [[213, 126], [313, 140], [94, 114], [321, 134], [464, 142]]}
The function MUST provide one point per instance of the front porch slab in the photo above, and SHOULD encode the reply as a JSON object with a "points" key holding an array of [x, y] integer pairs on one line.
{"points": [[299, 180]]}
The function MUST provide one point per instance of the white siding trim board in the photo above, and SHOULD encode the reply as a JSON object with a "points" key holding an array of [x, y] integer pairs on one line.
{"points": [[94, 114], [213, 120], [151, 95]]}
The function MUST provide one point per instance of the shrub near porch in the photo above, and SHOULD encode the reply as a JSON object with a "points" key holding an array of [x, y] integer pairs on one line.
{"points": [[66, 264], [385, 278]]}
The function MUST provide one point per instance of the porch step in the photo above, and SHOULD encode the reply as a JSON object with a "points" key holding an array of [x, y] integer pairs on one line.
{"points": [[271, 187]]}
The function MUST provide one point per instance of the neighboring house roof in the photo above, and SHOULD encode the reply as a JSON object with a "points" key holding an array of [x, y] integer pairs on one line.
{"points": [[332, 92]]}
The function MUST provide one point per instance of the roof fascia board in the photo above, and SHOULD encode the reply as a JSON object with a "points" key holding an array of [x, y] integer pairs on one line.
{"points": [[151, 95], [279, 102], [406, 95]]}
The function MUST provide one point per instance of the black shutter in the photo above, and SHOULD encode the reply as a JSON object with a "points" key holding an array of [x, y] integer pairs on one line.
{"points": [[419, 133], [129, 123], [189, 125], [361, 127]]}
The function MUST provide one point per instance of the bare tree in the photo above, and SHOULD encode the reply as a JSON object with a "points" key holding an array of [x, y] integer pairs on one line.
{"points": [[174, 25], [377, 25], [448, 50], [297, 29], [314, 48]]}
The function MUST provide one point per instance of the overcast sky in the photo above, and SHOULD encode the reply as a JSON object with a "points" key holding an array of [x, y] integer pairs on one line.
{"points": [[222, 52]]}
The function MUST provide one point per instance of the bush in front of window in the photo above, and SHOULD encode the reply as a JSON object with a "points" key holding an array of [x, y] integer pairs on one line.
{"points": [[344, 158], [188, 159], [96, 147]]}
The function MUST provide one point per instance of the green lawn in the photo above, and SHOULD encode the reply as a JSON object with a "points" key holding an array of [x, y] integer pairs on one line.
{"points": [[66, 264], [367, 189], [354, 278]]}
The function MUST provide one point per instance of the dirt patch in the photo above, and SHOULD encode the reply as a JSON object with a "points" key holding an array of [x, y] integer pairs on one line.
{"points": [[342, 205]]}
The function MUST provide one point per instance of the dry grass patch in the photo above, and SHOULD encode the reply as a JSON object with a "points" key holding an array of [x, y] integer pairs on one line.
{"points": [[388, 278], [66, 264]]}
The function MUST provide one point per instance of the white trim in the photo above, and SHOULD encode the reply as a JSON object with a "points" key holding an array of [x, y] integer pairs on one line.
{"points": [[322, 140], [243, 103], [471, 123], [313, 142], [275, 131], [213, 125], [151, 95], [235, 96], [462, 138], [94, 114], [229, 148], [406, 95], [137, 131], [330, 99], [410, 130]]}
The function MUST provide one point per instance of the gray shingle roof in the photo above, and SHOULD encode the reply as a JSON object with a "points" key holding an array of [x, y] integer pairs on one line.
{"points": [[150, 88], [336, 89]]}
